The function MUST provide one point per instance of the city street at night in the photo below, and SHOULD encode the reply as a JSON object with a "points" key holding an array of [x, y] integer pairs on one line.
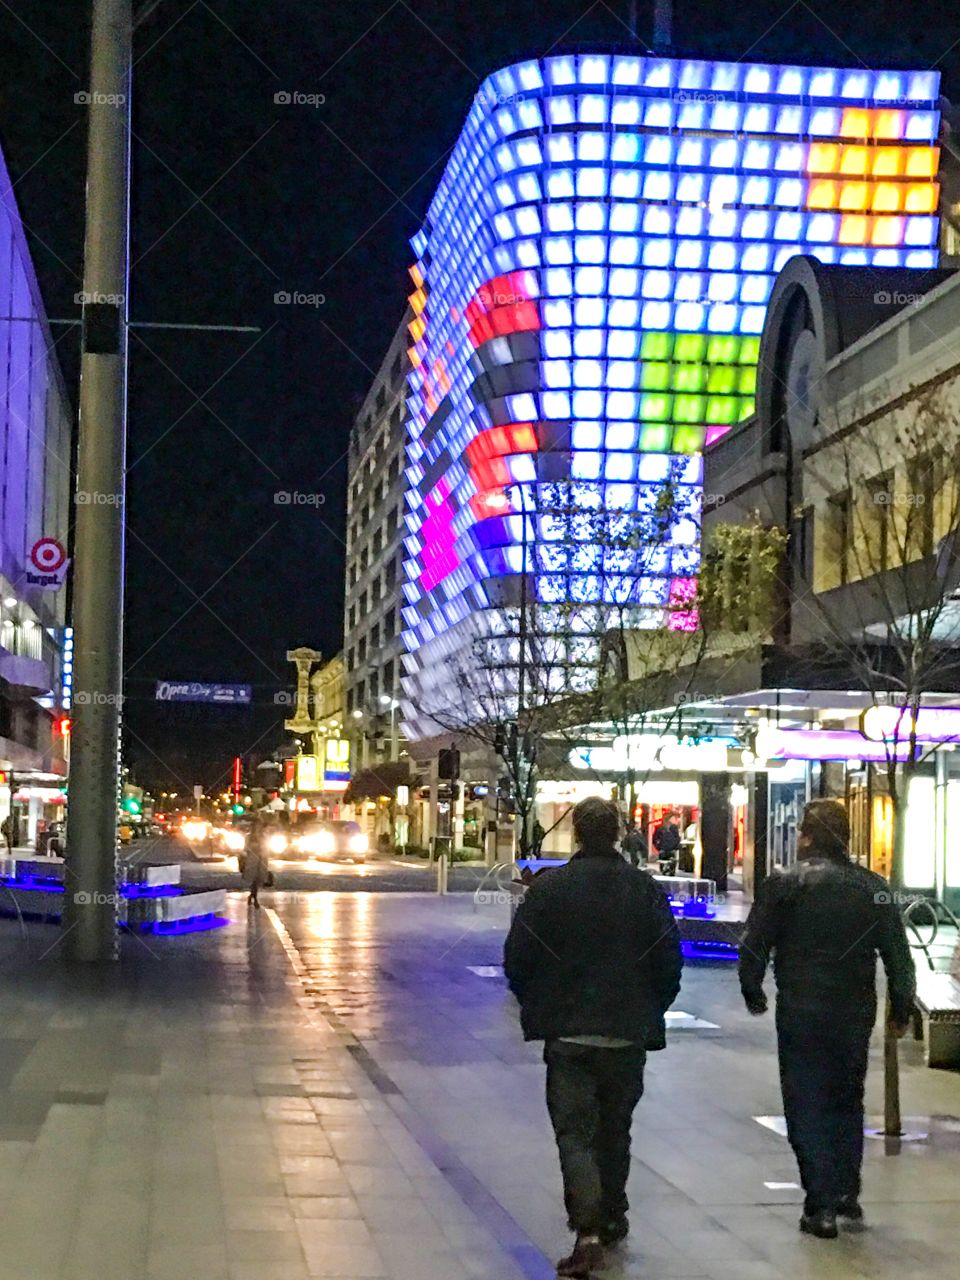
{"points": [[336, 1086], [479, 640]]}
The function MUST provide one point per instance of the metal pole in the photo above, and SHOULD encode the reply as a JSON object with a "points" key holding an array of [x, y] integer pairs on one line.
{"points": [[90, 907], [521, 675], [662, 25]]}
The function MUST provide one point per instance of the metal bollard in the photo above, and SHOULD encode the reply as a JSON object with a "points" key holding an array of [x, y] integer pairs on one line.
{"points": [[442, 874]]}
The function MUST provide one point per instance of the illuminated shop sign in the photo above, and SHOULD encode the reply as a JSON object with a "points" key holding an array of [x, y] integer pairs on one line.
{"points": [[653, 751], [932, 724], [308, 773], [336, 768]]}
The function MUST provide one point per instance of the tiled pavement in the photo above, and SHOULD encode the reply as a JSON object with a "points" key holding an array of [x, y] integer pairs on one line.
{"points": [[332, 1088]]}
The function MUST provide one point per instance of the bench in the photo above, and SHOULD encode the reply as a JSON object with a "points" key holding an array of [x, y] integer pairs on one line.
{"points": [[938, 1005]]}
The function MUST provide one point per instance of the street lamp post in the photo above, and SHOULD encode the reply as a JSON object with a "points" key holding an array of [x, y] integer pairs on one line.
{"points": [[90, 907]]}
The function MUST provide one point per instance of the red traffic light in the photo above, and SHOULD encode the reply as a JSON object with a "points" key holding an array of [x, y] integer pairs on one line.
{"points": [[62, 726]]}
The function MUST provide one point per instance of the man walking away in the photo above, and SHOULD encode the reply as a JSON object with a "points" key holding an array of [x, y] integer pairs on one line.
{"points": [[256, 868], [826, 920], [593, 956]]}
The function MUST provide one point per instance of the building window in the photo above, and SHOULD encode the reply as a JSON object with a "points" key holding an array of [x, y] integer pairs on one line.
{"points": [[878, 523], [805, 545], [388, 677], [362, 649], [923, 487], [840, 532], [374, 638]]}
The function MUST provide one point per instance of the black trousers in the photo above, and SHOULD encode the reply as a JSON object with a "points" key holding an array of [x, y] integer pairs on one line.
{"points": [[823, 1071], [591, 1096]]}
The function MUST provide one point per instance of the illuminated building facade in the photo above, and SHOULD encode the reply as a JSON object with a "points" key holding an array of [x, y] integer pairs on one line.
{"points": [[36, 646], [590, 287]]}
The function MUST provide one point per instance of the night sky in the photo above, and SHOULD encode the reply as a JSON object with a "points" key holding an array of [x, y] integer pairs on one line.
{"points": [[236, 198]]}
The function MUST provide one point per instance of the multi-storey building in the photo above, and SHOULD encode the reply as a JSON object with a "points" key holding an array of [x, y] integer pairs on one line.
{"points": [[375, 526], [590, 287], [35, 447]]}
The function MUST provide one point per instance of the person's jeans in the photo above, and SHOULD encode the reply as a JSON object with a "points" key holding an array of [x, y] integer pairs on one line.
{"points": [[591, 1096], [823, 1072]]}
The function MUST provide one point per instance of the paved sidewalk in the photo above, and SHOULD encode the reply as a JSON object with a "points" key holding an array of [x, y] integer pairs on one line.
{"points": [[336, 1086]]}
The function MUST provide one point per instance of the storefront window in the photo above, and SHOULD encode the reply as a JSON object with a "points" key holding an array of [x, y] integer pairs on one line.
{"points": [[919, 858]]}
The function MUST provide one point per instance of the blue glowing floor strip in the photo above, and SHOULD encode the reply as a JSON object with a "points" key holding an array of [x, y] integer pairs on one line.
{"points": [[170, 928], [693, 949]]}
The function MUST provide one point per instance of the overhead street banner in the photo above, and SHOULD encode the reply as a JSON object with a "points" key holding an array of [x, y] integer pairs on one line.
{"points": [[194, 691]]}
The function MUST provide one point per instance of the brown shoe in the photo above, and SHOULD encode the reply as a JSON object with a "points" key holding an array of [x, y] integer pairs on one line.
{"points": [[586, 1258]]}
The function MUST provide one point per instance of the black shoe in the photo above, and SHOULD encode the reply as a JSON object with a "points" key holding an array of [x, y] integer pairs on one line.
{"points": [[615, 1230], [586, 1258], [822, 1223], [851, 1209]]}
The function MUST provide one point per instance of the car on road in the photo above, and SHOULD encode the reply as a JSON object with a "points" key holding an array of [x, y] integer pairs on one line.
{"points": [[334, 841]]}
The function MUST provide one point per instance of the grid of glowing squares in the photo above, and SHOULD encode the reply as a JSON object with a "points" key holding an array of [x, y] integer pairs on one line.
{"points": [[680, 393], [629, 71]]}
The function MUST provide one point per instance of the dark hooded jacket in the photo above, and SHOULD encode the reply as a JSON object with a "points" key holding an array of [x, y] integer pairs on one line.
{"points": [[594, 950], [826, 920]]}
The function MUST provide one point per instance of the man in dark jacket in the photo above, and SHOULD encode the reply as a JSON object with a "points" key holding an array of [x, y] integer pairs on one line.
{"points": [[593, 956], [826, 920], [634, 845]]}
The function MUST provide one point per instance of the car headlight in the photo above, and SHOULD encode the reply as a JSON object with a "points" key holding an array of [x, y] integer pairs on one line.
{"points": [[234, 840], [358, 844], [277, 843], [309, 844]]}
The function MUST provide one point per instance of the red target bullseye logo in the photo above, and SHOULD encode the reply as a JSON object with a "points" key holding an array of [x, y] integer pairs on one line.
{"points": [[47, 555]]}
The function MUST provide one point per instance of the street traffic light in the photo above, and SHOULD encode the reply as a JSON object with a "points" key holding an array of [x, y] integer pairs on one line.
{"points": [[448, 764]]}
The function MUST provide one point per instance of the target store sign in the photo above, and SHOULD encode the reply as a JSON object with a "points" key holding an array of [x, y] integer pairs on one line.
{"points": [[48, 565]]}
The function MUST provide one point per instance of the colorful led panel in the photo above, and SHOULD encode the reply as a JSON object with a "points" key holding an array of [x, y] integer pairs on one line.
{"points": [[588, 295]]}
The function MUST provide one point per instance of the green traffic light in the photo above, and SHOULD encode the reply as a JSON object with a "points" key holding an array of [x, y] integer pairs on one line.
{"points": [[131, 805], [236, 808]]}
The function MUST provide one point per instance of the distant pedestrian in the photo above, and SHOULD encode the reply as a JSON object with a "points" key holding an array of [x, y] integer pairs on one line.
{"points": [[825, 921], [256, 867], [666, 841], [634, 845], [539, 835], [593, 956], [6, 829]]}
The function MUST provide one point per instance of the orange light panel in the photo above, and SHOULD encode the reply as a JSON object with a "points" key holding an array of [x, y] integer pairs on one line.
{"points": [[854, 160], [888, 124], [855, 123], [886, 197], [854, 196], [854, 229], [922, 197], [922, 162], [822, 194], [887, 232], [823, 157]]}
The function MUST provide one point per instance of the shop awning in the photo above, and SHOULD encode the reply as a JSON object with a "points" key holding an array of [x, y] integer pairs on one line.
{"points": [[381, 780]]}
